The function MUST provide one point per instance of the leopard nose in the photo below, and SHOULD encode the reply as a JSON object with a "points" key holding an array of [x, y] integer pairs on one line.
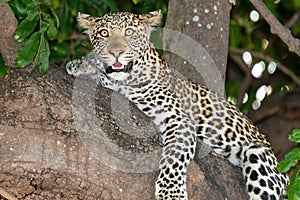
{"points": [[116, 52]]}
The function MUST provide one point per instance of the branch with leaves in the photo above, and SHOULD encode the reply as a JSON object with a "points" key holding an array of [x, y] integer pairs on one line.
{"points": [[38, 26]]}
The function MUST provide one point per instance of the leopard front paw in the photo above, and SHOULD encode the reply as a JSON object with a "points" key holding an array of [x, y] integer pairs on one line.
{"points": [[72, 67], [85, 67]]}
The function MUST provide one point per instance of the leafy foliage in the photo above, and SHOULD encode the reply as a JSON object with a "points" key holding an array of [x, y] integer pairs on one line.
{"points": [[291, 160], [35, 27]]}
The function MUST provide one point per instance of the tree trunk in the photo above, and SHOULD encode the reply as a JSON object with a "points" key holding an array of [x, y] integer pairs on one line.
{"points": [[48, 152], [207, 24]]}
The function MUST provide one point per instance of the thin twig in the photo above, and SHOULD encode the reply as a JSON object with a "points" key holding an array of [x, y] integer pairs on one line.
{"points": [[277, 28], [293, 20], [267, 58], [261, 115]]}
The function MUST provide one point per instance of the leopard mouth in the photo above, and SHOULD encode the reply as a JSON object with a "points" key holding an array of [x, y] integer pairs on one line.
{"points": [[118, 67]]}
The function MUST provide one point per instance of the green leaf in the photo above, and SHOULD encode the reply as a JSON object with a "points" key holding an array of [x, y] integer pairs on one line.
{"points": [[26, 27], [19, 8], [293, 189], [32, 6], [28, 51], [28, 7], [43, 27], [291, 159], [295, 136], [2, 67], [284, 166], [44, 55], [52, 30]]}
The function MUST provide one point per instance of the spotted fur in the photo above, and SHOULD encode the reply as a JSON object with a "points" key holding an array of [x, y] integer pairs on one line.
{"points": [[124, 60]]}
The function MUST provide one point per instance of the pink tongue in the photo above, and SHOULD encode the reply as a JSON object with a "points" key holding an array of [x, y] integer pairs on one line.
{"points": [[117, 65]]}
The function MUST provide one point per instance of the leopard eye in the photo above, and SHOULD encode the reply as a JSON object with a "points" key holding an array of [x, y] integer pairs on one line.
{"points": [[104, 33], [129, 32]]}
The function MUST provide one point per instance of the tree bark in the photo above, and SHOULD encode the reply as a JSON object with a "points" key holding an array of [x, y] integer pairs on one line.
{"points": [[207, 23], [46, 152]]}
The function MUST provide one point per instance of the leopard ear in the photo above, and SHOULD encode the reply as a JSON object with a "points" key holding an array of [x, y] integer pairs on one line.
{"points": [[85, 21], [152, 18]]}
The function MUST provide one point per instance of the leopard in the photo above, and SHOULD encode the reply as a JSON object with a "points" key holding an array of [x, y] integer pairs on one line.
{"points": [[124, 60]]}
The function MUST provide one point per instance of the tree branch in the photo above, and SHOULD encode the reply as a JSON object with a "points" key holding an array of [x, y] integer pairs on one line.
{"points": [[257, 117], [277, 28], [267, 58], [293, 20]]}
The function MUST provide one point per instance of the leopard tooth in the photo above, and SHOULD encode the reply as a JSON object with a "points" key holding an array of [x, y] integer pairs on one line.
{"points": [[122, 67]]}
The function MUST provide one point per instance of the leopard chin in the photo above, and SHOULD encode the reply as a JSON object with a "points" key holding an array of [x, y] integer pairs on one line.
{"points": [[119, 68]]}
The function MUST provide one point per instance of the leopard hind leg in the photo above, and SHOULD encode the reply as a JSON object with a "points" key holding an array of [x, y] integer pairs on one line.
{"points": [[263, 181]]}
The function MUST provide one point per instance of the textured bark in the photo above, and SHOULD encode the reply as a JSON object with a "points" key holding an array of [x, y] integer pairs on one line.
{"points": [[46, 154], [8, 24], [207, 23]]}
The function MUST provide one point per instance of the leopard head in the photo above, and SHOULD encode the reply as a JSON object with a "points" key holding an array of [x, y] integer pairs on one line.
{"points": [[120, 38]]}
